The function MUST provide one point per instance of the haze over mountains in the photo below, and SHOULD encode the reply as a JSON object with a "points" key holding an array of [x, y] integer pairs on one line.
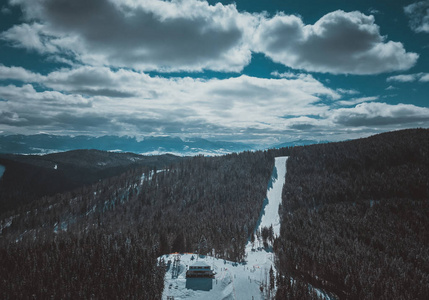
{"points": [[47, 143]]}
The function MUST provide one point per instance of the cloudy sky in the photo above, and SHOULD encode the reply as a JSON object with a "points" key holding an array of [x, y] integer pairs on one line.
{"points": [[249, 70]]}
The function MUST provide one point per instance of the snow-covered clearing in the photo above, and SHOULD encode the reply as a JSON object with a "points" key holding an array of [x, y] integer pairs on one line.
{"points": [[232, 280], [270, 214]]}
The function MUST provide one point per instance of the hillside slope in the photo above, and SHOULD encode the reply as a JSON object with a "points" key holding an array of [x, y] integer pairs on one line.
{"points": [[103, 239], [29, 177], [251, 278], [354, 218]]}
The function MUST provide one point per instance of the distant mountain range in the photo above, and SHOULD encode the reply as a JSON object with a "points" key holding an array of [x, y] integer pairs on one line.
{"points": [[45, 143], [298, 143]]}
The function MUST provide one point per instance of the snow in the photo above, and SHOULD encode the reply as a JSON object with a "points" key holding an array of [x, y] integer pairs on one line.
{"points": [[232, 280], [270, 214], [199, 263], [189, 152], [151, 173], [6, 223], [322, 294]]}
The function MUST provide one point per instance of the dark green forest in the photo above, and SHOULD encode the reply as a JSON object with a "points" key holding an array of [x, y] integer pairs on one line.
{"points": [[104, 239], [30, 177], [355, 218]]}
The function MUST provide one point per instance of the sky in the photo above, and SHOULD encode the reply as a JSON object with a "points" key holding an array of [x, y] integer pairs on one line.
{"points": [[251, 71]]}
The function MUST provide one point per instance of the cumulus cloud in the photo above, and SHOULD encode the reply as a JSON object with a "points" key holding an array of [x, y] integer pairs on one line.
{"points": [[25, 110], [421, 77], [110, 44], [19, 73], [379, 114], [186, 35], [30, 36], [418, 13], [339, 42], [304, 123], [192, 35], [240, 105], [10, 118], [246, 108], [27, 96]]}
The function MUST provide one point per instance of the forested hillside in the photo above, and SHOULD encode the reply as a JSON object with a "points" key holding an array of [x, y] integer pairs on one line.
{"points": [[354, 223], [29, 177], [103, 239], [355, 218]]}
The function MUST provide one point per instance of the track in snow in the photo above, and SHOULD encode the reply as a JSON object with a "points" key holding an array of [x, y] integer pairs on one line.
{"points": [[233, 281]]}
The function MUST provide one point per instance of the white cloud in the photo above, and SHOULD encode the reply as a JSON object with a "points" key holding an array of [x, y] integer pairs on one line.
{"points": [[374, 11], [98, 100], [304, 123], [191, 35], [421, 77], [29, 36], [347, 92], [19, 73], [29, 97], [185, 35], [338, 43], [375, 114], [292, 75], [355, 101], [424, 77], [402, 78], [131, 102], [418, 14], [103, 92]]}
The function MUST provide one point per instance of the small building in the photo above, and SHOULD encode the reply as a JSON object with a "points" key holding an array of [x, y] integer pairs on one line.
{"points": [[199, 269]]}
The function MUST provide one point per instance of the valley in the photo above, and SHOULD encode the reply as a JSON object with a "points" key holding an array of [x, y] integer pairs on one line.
{"points": [[334, 221]]}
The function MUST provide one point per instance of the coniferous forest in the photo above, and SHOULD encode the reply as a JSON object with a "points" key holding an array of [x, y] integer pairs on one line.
{"points": [[355, 218], [354, 223], [104, 239]]}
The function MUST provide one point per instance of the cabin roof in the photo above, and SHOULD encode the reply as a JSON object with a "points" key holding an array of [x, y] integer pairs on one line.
{"points": [[200, 264]]}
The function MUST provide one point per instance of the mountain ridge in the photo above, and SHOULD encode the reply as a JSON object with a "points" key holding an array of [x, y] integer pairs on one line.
{"points": [[30, 177], [46, 143]]}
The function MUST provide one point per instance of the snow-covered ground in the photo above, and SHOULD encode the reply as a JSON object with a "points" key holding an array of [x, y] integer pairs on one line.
{"points": [[231, 281], [270, 215]]}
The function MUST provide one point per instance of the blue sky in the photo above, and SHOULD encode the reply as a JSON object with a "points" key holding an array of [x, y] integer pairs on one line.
{"points": [[251, 71]]}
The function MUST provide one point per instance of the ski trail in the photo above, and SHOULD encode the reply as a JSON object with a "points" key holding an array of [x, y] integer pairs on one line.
{"points": [[270, 215], [239, 281]]}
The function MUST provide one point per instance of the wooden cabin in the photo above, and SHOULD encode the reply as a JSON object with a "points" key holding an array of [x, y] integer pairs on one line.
{"points": [[199, 269]]}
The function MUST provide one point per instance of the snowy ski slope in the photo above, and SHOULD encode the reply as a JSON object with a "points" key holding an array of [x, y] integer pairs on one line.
{"points": [[232, 281]]}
